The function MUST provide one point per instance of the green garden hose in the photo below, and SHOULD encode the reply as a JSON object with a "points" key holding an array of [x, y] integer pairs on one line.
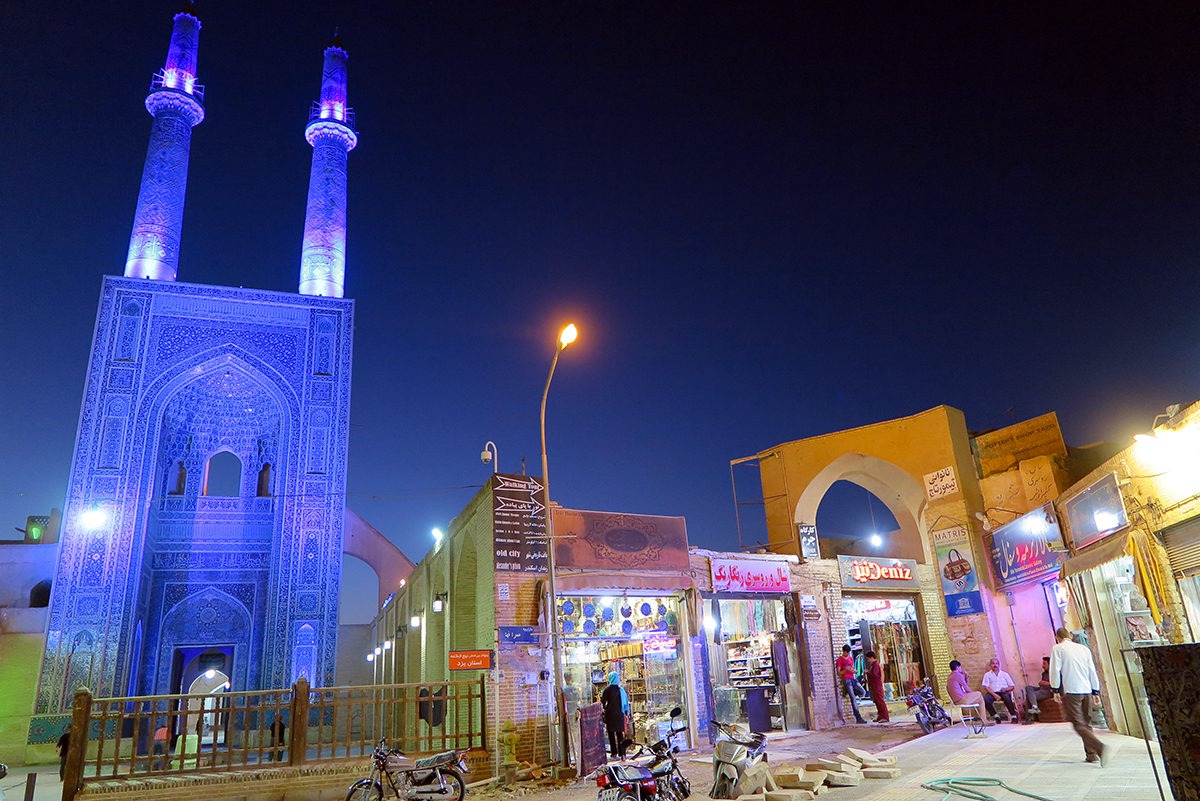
{"points": [[964, 787]]}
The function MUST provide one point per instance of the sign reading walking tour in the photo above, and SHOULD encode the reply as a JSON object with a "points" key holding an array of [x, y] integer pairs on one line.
{"points": [[956, 568], [519, 520]]}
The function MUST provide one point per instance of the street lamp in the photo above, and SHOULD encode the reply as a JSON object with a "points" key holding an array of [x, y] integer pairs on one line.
{"points": [[566, 337]]}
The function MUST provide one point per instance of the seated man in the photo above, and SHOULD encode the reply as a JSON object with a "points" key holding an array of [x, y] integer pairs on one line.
{"points": [[998, 686], [1042, 692], [958, 686]]}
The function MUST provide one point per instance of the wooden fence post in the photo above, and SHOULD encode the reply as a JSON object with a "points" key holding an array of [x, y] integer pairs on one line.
{"points": [[298, 742], [81, 710], [483, 711]]}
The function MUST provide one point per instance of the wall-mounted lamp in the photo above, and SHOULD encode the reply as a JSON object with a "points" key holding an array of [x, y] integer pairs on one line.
{"points": [[401, 630], [437, 537], [439, 603], [403, 582], [378, 650], [371, 656], [1167, 414], [415, 621], [387, 645], [986, 520]]}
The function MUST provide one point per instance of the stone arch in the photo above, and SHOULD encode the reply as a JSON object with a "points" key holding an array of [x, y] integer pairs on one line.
{"points": [[206, 618], [899, 491], [466, 616], [39, 595], [223, 474]]}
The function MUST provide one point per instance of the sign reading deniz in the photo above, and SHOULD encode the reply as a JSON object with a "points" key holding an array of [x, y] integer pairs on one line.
{"points": [[867, 571], [750, 575]]}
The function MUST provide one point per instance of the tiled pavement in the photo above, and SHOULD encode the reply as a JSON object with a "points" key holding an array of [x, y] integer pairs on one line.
{"points": [[1045, 759]]}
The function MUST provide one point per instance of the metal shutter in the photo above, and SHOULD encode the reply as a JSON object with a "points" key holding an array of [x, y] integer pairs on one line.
{"points": [[1183, 547]]}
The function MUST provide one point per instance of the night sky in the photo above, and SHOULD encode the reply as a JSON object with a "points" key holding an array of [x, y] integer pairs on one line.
{"points": [[769, 220]]}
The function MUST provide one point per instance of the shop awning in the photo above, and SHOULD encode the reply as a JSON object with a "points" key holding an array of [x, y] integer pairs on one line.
{"points": [[620, 581], [1106, 551]]}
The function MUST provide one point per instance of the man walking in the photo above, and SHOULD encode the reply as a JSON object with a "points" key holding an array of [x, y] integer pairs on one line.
{"points": [[875, 685], [998, 686], [1073, 674]]}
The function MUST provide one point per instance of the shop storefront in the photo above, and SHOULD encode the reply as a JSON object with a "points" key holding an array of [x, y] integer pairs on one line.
{"points": [[1026, 555], [636, 637], [752, 659], [1114, 596], [882, 609], [1182, 542]]}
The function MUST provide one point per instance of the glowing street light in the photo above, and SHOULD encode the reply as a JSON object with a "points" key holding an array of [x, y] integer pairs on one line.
{"points": [[565, 337]]}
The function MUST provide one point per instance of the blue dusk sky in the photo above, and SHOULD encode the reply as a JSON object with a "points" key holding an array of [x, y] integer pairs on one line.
{"points": [[769, 220]]}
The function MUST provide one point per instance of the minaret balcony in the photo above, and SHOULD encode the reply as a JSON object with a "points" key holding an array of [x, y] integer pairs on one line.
{"points": [[178, 81], [331, 112]]}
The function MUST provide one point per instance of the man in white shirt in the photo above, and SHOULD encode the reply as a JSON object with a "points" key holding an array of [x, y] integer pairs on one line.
{"points": [[1073, 674], [998, 686]]}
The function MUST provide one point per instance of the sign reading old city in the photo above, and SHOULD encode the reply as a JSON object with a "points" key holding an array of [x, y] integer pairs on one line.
{"points": [[750, 575], [866, 571], [519, 522]]}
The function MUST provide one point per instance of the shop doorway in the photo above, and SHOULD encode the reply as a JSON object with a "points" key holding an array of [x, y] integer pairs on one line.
{"points": [[890, 626], [637, 639], [752, 659]]}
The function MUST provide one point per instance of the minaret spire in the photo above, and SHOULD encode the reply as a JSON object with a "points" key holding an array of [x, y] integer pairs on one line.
{"points": [[175, 102], [331, 133]]}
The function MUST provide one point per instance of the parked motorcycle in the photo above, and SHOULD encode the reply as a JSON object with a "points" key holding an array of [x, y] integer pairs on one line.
{"points": [[737, 761], [437, 778], [3, 773], [658, 779], [925, 706]]}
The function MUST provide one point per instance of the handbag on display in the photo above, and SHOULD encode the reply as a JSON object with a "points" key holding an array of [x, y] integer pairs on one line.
{"points": [[956, 566]]}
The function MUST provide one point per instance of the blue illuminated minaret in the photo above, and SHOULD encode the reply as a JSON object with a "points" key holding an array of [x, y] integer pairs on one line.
{"points": [[331, 133], [175, 103]]}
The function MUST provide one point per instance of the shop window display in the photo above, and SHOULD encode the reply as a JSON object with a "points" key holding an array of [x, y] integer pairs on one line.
{"points": [[635, 637], [889, 627], [749, 661]]}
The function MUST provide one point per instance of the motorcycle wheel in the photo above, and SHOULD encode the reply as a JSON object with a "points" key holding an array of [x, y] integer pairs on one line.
{"points": [[683, 787], [456, 788], [365, 790], [923, 722], [722, 788], [940, 716]]}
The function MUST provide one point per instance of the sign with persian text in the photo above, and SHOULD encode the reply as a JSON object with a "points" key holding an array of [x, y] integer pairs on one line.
{"points": [[810, 547], [866, 572], [750, 575], [941, 483], [1028, 549], [518, 635], [519, 523], [470, 660]]}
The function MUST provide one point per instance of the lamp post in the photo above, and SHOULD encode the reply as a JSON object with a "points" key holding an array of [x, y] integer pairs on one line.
{"points": [[566, 337], [491, 454]]}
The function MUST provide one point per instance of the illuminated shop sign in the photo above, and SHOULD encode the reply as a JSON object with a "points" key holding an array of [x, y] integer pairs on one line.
{"points": [[868, 572], [1028, 548], [1096, 512], [750, 575]]}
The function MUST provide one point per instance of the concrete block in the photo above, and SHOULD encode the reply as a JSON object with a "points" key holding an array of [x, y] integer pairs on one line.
{"points": [[836, 778], [825, 764], [881, 773], [789, 779], [790, 795], [752, 797]]}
